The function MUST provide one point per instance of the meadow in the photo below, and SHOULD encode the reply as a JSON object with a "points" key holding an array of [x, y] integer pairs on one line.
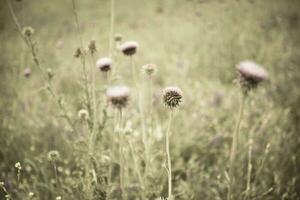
{"points": [[169, 115]]}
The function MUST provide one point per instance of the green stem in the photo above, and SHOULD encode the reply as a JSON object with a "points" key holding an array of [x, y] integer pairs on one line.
{"points": [[249, 170], [121, 155], [169, 156], [234, 146], [111, 32]]}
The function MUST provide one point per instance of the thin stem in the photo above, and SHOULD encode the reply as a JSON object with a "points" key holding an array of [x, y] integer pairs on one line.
{"points": [[111, 32], [234, 146], [169, 155], [140, 107], [77, 22], [249, 170], [121, 155]]}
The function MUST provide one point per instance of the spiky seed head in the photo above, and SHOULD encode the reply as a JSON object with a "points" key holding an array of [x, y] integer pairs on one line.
{"points": [[27, 72], [118, 96], [53, 155], [118, 37], [250, 74], [83, 114], [129, 48], [149, 69], [28, 31], [92, 46], [104, 64], [172, 96]]}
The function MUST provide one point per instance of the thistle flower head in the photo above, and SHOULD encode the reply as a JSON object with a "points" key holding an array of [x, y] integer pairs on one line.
{"points": [[129, 48], [149, 69], [172, 96], [92, 46], [104, 64], [27, 72], [83, 114], [118, 96], [250, 74], [28, 31]]}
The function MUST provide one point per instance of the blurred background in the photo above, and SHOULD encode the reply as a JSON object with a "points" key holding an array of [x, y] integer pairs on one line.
{"points": [[195, 45]]}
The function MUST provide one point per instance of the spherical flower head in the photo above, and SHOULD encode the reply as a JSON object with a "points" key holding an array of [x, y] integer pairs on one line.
{"points": [[118, 96], [250, 74], [92, 46], [172, 96], [53, 156], [28, 31], [27, 72], [104, 64], [149, 69], [129, 48], [83, 114]]}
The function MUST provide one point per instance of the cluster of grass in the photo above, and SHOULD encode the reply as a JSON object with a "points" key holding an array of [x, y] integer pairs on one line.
{"points": [[48, 152]]}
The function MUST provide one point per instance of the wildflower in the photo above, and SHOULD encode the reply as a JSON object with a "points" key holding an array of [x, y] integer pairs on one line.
{"points": [[104, 64], [18, 166], [92, 46], [53, 156], [172, 96], [28, 31], [83, 114], [30, 194], [129, 48], [27, 72], [118, 96], [149, 69], [58, 198], [250, 74]]}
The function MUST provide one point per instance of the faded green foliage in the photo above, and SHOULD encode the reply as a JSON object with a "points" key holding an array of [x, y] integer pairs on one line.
{"points": [[195, 45]]}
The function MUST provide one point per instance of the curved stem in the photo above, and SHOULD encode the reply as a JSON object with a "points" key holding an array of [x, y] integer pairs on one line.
{"points": [[169, 156], [234, 146]]}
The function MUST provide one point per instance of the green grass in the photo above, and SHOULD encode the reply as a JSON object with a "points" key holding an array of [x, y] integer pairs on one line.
{"points": [[195, 45]]}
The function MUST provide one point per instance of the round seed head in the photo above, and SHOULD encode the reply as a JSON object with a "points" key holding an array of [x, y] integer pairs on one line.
{"points": [[129, 48], [53, 156], [118, 96], [172, 96], [104, 64], [92, 46], [83, 114], [250, 74], [28, 31], [150, 69], [27, 72]]}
